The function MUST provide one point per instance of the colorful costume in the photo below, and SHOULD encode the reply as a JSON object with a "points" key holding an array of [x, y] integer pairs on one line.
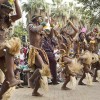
{"points": [[31, 61], [70, 70], [44, 71]]}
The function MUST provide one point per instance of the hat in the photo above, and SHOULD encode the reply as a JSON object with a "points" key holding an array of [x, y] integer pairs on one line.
{"points": [[84, 30], [7, 5], [35, 16]]}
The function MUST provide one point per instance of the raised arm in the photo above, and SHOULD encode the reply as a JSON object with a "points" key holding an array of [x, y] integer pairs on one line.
{"points": [[36, 29], [74, 28], [18, 14]]}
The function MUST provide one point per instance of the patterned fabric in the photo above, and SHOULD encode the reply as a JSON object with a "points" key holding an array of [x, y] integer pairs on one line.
{"points": [[36, 51], [48, 45], [32, 53]]}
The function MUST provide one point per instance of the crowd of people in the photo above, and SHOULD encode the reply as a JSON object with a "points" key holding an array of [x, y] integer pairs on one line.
{"points": [[54, 54]]}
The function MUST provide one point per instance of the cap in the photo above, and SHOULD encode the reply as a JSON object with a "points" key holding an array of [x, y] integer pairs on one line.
{"points": [[84, 30]]}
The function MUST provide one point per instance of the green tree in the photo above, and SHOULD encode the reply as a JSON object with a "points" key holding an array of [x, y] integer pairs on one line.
{"points": [[35, 7], [59, 11], [92, 8], [19, 30]]}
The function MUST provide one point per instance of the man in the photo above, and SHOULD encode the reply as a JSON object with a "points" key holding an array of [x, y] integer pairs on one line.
{"points": [[48, 44], [8, 48], [80, 45], [80, 42], [37, 57], [93, 47], [96, 65], [67, 37], [86, 60]]}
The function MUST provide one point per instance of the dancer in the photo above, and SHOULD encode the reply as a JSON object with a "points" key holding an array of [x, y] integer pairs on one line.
{"points": [[37, 56], [8, 47]]}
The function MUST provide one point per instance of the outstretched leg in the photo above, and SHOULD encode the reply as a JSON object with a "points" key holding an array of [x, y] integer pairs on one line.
{"points": [[97, 66], [35, 82], [33, 77], [9, 59], [80, 81], [53, 70], [95, 75], [4, 88], [65, 83], [37, 86]]}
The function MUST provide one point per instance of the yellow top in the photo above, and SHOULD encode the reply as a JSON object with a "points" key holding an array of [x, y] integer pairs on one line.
{"points": [[92, 41]]}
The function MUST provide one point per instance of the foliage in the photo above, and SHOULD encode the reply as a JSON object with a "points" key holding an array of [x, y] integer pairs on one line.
{"points": [[92, 8], [87, 14], [35, 7], [19, 30]]}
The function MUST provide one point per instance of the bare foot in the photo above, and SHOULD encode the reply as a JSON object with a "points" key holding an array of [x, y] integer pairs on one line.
{"points": [[4, 87], [31, 84], [37, 94], [81, 83], [14, 82], [94, 80], [65, 88]]}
